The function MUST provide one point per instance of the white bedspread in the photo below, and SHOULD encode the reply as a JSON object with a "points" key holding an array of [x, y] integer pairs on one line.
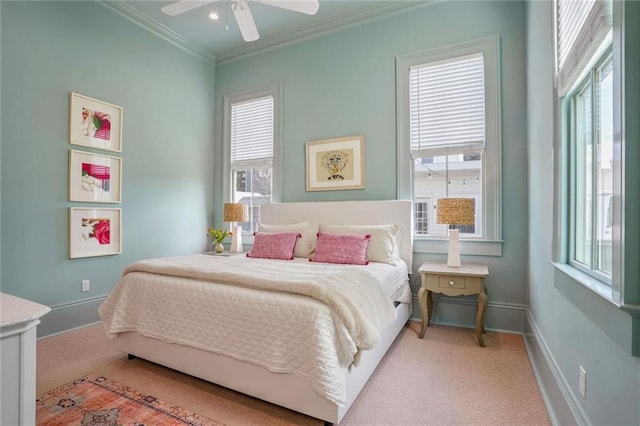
{"points": [[288, 331]]}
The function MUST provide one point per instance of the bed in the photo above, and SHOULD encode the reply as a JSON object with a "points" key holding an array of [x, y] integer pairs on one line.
{"points": [[241, 336]]}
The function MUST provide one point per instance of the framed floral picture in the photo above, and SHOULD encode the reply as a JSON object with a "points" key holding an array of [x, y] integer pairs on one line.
{"points": [[94, 123], [94, 177], [94, 232], [336, 163]]}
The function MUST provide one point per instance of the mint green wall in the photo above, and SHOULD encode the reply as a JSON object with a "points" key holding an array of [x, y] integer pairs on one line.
{"points": [[50, 49], [573, 325], [340, 84], [344, 84]]}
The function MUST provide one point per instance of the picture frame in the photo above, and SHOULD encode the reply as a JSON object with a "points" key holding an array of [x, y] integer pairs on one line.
{"points": [[94, 177], [335, 164], [94, 123], [94, 232]]}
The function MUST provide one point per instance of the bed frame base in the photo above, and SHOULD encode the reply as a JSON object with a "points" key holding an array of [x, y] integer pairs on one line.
{"points": [[286, 390]]}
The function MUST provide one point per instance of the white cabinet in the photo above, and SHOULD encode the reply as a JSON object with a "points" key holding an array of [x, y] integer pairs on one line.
{"points": [[18, 321]]}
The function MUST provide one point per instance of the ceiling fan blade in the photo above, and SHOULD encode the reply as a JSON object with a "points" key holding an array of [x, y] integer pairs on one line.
{"points": [[310, 7], [245, 20], [183, 6]]}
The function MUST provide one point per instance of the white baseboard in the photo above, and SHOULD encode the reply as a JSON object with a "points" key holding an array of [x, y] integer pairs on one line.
{"points": [[448, 311], [561, 403], [459, 312], [70, 316]]}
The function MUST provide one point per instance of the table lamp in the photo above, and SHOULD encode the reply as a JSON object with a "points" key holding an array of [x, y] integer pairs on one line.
{"points": [[455, 211], [236, 213]]}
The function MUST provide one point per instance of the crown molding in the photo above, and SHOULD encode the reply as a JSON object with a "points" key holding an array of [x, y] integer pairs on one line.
{"points": [[359, 17], [322, 28], [158, 29]]}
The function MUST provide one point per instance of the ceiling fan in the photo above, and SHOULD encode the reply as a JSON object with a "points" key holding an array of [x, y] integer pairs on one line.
{"points": [[242, 12]]}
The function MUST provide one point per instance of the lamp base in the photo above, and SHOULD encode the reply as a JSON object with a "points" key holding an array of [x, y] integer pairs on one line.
{"points": [[454, 249], [236, 240]]}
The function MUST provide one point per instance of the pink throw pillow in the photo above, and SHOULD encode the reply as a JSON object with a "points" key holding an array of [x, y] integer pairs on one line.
{"points": [[345, 249], [274, 246]]}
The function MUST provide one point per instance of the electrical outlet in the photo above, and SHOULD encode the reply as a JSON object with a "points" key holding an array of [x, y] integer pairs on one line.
{"points": [[583, 382], [86, 285]]}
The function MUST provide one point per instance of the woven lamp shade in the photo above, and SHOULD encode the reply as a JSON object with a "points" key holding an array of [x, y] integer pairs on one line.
{"points": [[456, 211], [235, 212]]}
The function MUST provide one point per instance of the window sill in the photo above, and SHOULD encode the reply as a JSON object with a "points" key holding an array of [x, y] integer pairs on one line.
{"points": [[598, 287], [467, 247]]}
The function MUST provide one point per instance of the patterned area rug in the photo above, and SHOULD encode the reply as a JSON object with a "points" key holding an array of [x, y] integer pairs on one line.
{"points": [[96, 400]]}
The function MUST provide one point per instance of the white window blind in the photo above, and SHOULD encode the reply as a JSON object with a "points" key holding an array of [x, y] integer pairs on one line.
{"points": [[252, 132], [447, 106], [581, 26]]}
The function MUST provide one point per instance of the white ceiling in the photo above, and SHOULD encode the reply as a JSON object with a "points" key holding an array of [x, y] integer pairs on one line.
{"points": [[196, 32]]}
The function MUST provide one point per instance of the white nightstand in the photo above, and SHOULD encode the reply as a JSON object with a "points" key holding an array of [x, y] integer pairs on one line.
{"points": [[462, 281]]}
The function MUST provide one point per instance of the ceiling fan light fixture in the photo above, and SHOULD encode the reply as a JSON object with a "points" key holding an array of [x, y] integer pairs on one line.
{"points": [[245, 21], [241, 10], [309, 7], [180, 7]]}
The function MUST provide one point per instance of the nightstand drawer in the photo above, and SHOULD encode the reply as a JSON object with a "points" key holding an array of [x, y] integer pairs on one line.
{"points": [[450, 281]]}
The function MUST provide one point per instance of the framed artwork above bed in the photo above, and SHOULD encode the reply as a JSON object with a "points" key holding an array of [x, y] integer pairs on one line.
{"points": [[335, 164], [94, 123], [94, 177], [94, 232]]}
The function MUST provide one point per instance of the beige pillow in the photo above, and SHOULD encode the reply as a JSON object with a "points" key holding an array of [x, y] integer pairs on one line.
{"points": [[384, 244], [305, 245]]}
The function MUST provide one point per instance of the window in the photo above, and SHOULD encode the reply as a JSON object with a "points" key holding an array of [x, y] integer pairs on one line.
{"points": [[449, 136], [422, 217], [591, 189], [251, 149], [591, 172], [453, 176]]}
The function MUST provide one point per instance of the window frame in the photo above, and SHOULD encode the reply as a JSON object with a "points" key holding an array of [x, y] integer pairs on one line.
{"points": [[612, 292], [491, 242], [275, 91], [590, 80], [425, 202]]}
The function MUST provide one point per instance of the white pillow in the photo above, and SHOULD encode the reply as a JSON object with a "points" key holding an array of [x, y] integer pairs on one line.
{"points": [[384, 244], [305, 245]]}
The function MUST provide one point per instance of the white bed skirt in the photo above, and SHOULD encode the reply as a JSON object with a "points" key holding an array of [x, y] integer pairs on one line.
{"points": [[287, 390]]}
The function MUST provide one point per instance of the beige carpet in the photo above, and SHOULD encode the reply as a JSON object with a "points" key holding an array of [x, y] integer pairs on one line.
{"points": [[443, 379]]}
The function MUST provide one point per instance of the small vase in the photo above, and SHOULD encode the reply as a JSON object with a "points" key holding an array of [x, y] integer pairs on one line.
{"points": [[219, 248]]}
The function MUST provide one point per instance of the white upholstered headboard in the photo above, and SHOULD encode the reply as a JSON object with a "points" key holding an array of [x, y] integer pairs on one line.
{"points": [[382, 212]]}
